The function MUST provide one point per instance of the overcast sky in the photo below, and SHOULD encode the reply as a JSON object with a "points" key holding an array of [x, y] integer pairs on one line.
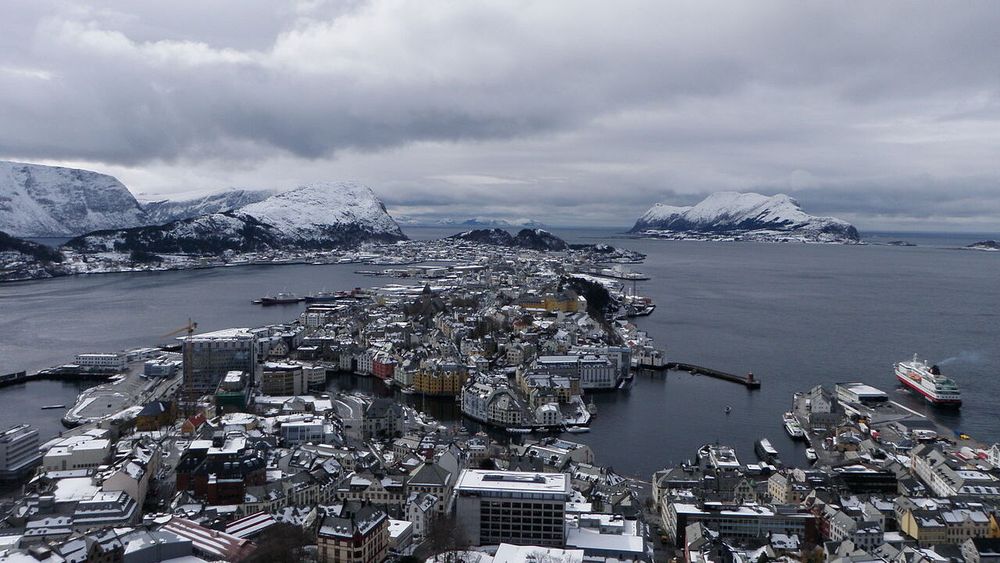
{"points": [[886, 114]]}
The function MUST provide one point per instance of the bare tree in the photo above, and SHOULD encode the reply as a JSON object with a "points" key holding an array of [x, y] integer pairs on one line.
{"points": [[282, 543], [444, 538]]}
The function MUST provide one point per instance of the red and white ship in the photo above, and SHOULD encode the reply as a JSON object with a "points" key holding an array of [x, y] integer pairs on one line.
{"points": [[928, 381]]}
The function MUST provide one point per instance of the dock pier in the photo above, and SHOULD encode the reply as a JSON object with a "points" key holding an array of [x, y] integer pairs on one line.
{"points": [[749, 381]]}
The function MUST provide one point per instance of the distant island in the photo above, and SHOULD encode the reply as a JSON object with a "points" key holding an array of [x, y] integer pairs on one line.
{"points": [[743, 216], [533, 239], [987, 245]]}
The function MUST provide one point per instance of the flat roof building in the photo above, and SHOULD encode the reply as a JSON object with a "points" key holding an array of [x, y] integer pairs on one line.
{"points": [[860, 393], [18, 451], [209, 357], [515, 507]]}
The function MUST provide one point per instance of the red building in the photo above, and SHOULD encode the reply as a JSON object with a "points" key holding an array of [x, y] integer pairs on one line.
{"points": [[220, 470], [383, 366]]}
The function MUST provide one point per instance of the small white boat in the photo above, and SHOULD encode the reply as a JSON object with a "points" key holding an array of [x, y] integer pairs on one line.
{"points": [[793, 428], [48, 407], [811, 454], [519, 431], [408, 390], [577, 429]]}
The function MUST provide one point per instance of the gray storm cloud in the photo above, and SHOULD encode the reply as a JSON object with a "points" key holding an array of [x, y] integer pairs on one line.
{"points": [[885, 112]]}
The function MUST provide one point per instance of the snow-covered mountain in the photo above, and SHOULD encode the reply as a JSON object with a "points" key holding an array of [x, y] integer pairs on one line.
{"points": [[167, 210], [749, 214], [320, 215], [323, 210], [52, 201]]}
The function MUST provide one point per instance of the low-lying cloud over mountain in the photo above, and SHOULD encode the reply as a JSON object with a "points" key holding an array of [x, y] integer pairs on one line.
{"points": [[567, 112]]}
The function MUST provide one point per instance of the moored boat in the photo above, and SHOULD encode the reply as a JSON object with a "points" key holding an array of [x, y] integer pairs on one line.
{"points": [[793, 428], [766, 452], [577, 429], [811, 454], [638, 306], [282, 298]]}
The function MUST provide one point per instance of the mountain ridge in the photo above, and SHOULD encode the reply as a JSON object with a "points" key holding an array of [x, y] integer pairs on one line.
{"points": [[312, 216], [37, 200], [161, 212]]}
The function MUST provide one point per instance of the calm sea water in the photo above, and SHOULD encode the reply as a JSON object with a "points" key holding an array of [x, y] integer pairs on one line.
{"points": [[795, 315]]}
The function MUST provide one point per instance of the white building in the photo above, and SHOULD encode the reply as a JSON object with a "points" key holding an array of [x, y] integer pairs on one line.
{"points": [[420, 512], [593, 371], [400, 534], [508, 553], [304, 429], [85, 451], [104, 362], [606, 535], [18, 451]]}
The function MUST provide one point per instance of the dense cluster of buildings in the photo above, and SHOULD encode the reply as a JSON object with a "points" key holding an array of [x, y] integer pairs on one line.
{"points": [[240, 450], [884, 486], [239, 445]]}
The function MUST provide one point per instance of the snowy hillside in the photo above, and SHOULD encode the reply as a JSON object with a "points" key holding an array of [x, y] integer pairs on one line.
{"points": [[51, 201], [166, 211], [733, 213], [26, 260], [321, 210], [322, 215]]}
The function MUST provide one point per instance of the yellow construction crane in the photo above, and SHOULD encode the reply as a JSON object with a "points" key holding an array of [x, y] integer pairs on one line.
{"points": [[188, 395], [189, 329]]}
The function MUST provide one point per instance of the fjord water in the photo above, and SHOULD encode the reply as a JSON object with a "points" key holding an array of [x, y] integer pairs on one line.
{"points": [[796, 315]]}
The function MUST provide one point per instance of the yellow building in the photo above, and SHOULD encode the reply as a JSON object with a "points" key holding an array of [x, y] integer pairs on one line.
{"points": [[552, 302], [439, 382]]}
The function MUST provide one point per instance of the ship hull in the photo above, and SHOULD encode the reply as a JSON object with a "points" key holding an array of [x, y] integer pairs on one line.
{"points": [[955, 403]]}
